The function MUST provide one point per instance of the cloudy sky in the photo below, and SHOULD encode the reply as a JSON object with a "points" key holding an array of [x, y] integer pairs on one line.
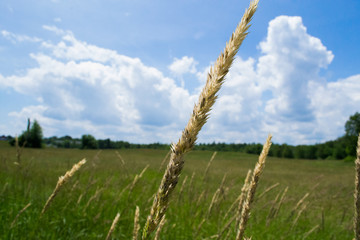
{"points": [[132, 70]]}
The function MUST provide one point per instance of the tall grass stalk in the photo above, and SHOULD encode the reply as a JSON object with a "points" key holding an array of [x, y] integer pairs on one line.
{"points": [[357, 193], [208, 165], [136, 223], [197, 120], [245, 213], [113, 225], [19, 213], [62, 180]]}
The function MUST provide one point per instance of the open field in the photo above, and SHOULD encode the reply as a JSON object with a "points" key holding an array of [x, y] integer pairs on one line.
{"points": [[104, 186]]}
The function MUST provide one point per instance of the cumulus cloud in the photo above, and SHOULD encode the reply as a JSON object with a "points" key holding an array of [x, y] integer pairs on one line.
{"points": [[184, 65], [82, 88], [79, 82], [282, 92]]}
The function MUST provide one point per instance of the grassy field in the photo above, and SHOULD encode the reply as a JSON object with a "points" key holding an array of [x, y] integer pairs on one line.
{"points": [[86, 206]]}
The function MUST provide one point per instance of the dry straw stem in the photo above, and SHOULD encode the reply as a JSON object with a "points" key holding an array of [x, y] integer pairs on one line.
{"points": [[198, 118], [268, 189], [62, 180], [17, 215], [182, 188], [281, 201], [164, 160], [208, 166], [252, 189], [136, 223], [298, 205], [298, 215], [161, 225], [357, 193], [113, 225], [243, 194], [213, 202], [311, 231]]}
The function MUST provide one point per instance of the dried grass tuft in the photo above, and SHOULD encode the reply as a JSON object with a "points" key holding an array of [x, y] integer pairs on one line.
{"points": [[62, 180], [197, 120], [113, 225], [245, 213], [357, 193]]}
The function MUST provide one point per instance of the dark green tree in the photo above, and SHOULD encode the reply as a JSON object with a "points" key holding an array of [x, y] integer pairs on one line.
{"points": [[352, 126], [88, 142], [32, 137], [35, 135]]}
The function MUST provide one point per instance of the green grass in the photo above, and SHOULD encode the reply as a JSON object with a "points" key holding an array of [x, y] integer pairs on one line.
{"points": [[329, 205]]}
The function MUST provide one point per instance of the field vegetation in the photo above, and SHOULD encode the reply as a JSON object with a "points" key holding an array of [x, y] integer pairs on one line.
{"points": [[111, 194], [318, 202]]}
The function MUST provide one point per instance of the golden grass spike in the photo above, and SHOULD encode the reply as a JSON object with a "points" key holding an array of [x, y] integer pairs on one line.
{"points": [[113, 225], [17, 215], [252, 188], [243, 194], [136, 223], [197, 120], [357, 193], [208, 165], [61, 181]]}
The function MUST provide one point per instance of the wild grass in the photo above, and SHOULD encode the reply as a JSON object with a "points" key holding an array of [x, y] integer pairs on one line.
{"points": [[121, 181], [200, 114], [329, 205]]}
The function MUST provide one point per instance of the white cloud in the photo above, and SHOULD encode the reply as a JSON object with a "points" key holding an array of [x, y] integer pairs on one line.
{"points": [[283, 93], [111, 93], [82, 88], [15, 38], [183, 65]]}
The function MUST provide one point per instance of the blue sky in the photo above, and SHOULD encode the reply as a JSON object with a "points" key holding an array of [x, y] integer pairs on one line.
{"points": [[132, 70]]}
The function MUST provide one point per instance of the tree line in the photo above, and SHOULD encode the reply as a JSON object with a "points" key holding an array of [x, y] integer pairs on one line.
{"points": [[342, 148]]}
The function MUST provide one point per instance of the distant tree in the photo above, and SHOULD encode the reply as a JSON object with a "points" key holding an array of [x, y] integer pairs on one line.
{"points": [[88, 142], [35, 135], [352, 126], [287, 151], [32, 137]]}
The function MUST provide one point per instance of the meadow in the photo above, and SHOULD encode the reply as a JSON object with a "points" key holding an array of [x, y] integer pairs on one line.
{"points": [[318, 202]]}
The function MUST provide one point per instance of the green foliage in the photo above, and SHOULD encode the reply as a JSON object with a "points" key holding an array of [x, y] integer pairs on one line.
{"points": [[78, 213], [88, 142], [32, 137], [35, 135], [352, 126]]}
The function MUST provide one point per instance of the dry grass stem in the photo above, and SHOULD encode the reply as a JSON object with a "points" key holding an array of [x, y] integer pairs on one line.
{"points": [[281, 201], [311, 231], [208, 165], [113, 225], [19, 213], [122, 162], [62, 180], [268, 189], [161, 225], [164, 160], [197, 120], [252, 189], [298, 215], [243, 194], [136, 223], [213, 201], [357, 193], [298, 204], [182, 188], [226, 226]]}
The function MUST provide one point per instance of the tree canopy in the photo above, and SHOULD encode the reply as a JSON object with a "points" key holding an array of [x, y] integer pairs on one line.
{"points": [[352, 126]]}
